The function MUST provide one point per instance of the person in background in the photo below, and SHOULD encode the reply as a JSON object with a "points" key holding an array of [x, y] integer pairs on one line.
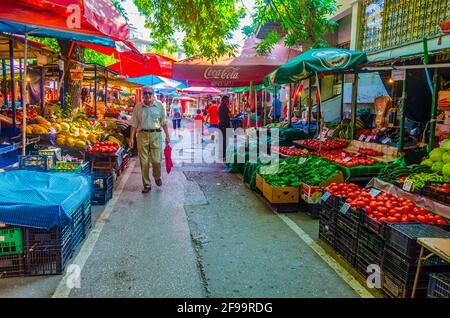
{"points": [[147, 121], [213, 119], [176, 112], [198, 126], [275, 110], [224, 122]]}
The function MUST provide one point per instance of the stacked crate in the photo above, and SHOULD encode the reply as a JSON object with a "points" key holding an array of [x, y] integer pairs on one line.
{"points": [[369, 251], [327, 225], [348, 225], [101, 187], [12, 262], [439, 285], [401, 255]]}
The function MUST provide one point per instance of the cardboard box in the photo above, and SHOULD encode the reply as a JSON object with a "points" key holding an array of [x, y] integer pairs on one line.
{"points": [[312, 195], [259, 182], [280, 195]]}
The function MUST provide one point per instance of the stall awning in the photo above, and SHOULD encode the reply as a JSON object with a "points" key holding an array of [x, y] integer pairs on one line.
{"points": [[34, 49], [133, 65], [315, 61], [201, 90], [158, 82]]}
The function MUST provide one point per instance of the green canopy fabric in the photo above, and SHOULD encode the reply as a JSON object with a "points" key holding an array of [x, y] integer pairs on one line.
{"points": [[315, 60], [243, 89]]}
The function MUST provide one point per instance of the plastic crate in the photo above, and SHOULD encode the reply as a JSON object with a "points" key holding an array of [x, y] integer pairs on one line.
{"points": [[349, 222], [348, 254], [100, 197], [328, 213], [368, 256], [371, 241], [78, 226], [333, 202], [373, 225], [87, 221], [102, 181], [47, 251], [439, 285], [11, 242], [327, 232], [402, 236], [37, 162], [82, 167], [394, 289], [12, 265]]}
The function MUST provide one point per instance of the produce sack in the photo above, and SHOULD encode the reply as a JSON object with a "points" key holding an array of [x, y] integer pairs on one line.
{"points": [[168, 157]]}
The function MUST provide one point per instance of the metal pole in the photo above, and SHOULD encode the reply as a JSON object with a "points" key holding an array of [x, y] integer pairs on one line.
{"points": [[433, 110], [342, 98], [95, 91], [319, 105], [264, 107], [291, 101], [42, 88], [24, 98], [309, 105], [4, 84], [62, 90], [250, 104], [402, 118], [13, 91], [256, 108], [354, 105], [106, 89], [21, 79], [274, 103]]}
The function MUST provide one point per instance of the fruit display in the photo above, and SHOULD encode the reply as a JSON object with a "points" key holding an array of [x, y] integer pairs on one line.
{"points": [[32, 113], [384, 207], [344, 129], [104, 147], [370, 152], [328, 144], [291, 172], [345, 158], [291, 151], [439, 159]]}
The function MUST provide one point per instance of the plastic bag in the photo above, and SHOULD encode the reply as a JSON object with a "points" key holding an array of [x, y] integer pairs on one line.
{"points": [[168, 157]]}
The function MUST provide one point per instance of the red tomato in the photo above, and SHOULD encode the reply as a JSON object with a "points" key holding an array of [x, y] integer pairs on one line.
{"points": [[441, 222], [412, 217], [382, 210], [368, 210], [392, 219], [422, 219], [352, 195], [397, 215], [382, 219], [404, 219]]}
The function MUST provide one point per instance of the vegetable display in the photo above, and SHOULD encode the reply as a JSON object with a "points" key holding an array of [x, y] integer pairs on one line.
{"points": [[370, 152], [396, 172], [104, 147], [291, 172], [291, 151], [345, 158], [439, 159], [328, 144]]}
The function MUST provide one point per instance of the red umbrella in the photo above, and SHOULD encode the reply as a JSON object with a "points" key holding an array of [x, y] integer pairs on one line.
{"points": [[233, 71], [201, 90], [133, 65]]}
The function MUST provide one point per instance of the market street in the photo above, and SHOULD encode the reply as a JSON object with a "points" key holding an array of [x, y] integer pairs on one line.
{"points": [[202, 234]]}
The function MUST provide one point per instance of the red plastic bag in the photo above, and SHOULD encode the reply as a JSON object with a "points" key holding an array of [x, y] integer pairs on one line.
{"points": [[168, 157]]}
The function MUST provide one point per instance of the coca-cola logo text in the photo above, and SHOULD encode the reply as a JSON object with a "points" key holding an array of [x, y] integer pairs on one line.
{"points": [[228, 73]]}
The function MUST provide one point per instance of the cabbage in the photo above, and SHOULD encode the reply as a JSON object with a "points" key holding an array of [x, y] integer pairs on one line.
{"points": [[446, 144], [436, 154], [437, 166], [427, 162], [446, 170], [446, 157]]}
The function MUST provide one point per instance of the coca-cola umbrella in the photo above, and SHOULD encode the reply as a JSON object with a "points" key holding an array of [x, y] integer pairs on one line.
{"points": [[233, 71]]}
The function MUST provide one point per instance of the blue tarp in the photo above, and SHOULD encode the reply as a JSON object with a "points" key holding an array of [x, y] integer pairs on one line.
{"points": [[41, 200], [30, 29]]}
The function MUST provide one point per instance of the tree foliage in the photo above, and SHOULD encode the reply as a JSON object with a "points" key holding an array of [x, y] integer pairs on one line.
{"points": [[207, 25], [301, 21]]}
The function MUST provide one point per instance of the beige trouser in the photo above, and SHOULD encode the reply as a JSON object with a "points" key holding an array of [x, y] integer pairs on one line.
{"points": [[150, 151]]}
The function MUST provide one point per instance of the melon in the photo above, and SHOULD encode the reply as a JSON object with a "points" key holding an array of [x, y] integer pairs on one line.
{"points": [[446, 144], [427, 162], [436, 154], [446, 170], [446, 157], [437, 166]]}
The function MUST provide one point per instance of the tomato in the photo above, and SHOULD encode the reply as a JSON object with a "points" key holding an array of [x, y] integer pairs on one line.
{"points": [[412, 217], [397, 215], [348, 200], [441, 222], [382, 209], [360, 204], [382, 219], [422, 219], [404, 219], [352, 195], [394, 202], [392, 219], [368, 209]]}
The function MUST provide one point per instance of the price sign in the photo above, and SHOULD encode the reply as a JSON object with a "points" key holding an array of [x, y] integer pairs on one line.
{"points": [[347, 159], [369, 138], [385, 140], [361, 138], [374, 192], [326, 196], [344, 209], [301, 160], [398, 75], [323, 138], [407, 186], [2, 238]]}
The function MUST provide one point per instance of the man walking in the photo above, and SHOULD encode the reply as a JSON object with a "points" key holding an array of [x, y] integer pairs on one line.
{"points": [[147, 120]]}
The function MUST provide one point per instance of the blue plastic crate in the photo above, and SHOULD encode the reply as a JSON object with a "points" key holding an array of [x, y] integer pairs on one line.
{"points": [[102, 181], [100, 197], [439, 285], [87, 216]]}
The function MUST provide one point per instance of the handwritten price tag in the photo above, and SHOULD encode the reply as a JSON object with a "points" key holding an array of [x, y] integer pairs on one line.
{"points": [[326, 196], [301, 160], [369, 138], [347, 159], [361, 138], [407, 186], [344, 209], [2, 238], [385, 140]]}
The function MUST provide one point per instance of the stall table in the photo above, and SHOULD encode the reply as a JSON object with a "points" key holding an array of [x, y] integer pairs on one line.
{"points": [[437, 246]]}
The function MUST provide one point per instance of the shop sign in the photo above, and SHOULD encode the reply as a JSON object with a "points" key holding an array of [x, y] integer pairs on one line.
{"points": [[76, 74], [399, 75], [226, 73]]}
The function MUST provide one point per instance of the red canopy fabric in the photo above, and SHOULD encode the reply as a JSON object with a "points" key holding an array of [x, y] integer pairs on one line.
{"points": [[201, 90], [99, 16], [134, 65], [233, 72]]}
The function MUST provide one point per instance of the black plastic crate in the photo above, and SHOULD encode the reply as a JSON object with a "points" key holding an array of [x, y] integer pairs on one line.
{"points": [[12, 265], [396, 290], [371, 241], [346, 239], [47, 251], [333, 202], [439, 285], [327, 233], [403, 236], [368, 255], [348, 254], [101, 198], [349, 222], [102, 181], [87, 217], [328, 213], [312, 210], [373, 225]]}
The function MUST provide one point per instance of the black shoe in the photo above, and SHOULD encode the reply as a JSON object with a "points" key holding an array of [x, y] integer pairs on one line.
{"points": [[158, 182], [146, 190]]}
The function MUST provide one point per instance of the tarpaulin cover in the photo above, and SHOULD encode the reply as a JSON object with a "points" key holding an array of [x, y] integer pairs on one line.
{"points": [[41, 200]]}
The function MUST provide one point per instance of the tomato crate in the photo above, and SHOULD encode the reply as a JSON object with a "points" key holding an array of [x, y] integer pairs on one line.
{"points": [[350, 222], [47, 251], [372, 241], [402, 236], [12, 265], [361, 265], [348, 254], [439, 285], [368, 255], [327, 233], [373, 225], [345, 239], [392, 288], [11, 242], [328, 213], [37, 162]]}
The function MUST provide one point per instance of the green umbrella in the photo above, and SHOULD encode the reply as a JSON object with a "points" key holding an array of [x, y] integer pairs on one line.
{"points": [[243, 89], [315, 61]]}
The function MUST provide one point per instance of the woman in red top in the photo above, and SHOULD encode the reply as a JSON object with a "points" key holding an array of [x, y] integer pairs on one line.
{"points": [[213, 119]]}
